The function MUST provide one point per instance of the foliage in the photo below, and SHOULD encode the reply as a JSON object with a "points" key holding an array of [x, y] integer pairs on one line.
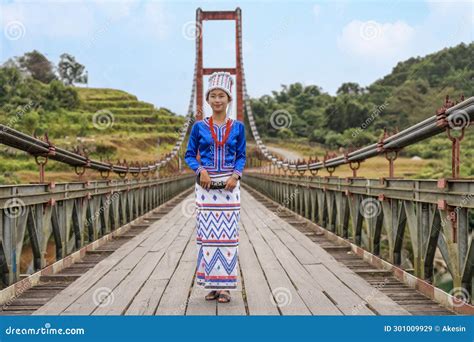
{"points": [[356, 116], [70, 71], [37, 65]]}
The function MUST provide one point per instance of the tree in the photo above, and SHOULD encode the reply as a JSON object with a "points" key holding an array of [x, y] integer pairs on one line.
{"points": [[345, 112], [61, 96], [37, 65], [10, 79], [350, 88], [31, 121], [70, 71]]}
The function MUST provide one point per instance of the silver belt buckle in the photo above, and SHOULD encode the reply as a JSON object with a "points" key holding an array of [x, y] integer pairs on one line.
{"points": [[217, 185]]}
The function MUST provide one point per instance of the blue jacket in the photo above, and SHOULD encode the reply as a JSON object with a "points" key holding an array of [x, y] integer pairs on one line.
{"points": [[227, 158]]}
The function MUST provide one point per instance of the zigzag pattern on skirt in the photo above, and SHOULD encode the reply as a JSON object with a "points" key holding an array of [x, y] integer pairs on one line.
{"points": [[217, 217]]}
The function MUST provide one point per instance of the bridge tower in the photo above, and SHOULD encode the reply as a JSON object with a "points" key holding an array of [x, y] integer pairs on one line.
{"points": [[201, 71]]}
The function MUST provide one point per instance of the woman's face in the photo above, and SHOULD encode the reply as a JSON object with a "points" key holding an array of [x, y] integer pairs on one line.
{"points": [[218, 100]]}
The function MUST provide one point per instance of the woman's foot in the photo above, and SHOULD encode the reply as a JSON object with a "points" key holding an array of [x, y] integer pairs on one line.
{"points": [[224, 296], [212, 295]]}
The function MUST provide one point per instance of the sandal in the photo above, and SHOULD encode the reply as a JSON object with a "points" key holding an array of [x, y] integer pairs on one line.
{"points": [[212, 295], [224, 297]]}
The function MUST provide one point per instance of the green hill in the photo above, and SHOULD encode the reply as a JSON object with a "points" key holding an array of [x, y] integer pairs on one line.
{"points": [[357, 115], [104, 123], [127, 113], [410, 93]]}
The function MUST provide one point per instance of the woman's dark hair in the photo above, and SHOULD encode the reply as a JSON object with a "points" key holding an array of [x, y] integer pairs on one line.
{"points": [[209, 93]]}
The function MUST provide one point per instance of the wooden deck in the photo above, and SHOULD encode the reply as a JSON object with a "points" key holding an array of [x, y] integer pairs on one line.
{"points": [[283, 272]]}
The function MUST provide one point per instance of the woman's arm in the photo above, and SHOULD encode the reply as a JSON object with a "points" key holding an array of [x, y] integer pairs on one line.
{"points": [[192, 149], [240, 151]]}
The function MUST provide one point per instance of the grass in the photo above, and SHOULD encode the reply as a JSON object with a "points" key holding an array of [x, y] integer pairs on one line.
{"points": [[435, 154], [94, 94], [139, 133]]}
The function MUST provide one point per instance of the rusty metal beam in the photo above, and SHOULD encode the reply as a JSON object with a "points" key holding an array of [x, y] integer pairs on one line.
{"points": [[201, 71], [208, 71], [218, 15]]}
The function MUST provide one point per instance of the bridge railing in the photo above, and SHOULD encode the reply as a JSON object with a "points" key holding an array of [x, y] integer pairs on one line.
{"points": [[451, 117], [434, 214], [72, 215]]}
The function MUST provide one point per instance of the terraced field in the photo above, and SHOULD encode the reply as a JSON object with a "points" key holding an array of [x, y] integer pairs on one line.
{"points": [[109, 124]]}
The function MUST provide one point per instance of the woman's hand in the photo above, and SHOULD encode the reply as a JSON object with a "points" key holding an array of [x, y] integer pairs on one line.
{"points": [[231, 183], [204, 179]]}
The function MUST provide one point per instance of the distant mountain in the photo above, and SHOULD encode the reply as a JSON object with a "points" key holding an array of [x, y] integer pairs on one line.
{"points": [[356, 115], [417, 86]]}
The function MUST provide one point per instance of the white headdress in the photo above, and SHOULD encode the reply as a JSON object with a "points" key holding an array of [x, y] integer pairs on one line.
{"points": [[222, 80]]}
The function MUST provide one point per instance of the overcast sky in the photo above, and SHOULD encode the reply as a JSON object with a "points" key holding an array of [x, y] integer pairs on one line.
{"points": [[147, 47]]}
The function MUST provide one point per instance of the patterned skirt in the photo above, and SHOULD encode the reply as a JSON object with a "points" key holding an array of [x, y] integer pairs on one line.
{"points": [[217, 217]]}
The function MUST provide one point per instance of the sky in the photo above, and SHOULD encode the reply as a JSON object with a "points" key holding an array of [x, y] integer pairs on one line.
{"points": [[147, 48]]}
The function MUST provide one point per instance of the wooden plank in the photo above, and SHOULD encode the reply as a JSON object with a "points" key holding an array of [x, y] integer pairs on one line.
{"points": [[376, 299], [90, 300], [236, 306], [287, 299], [176, 296], [146, 300], [133, 282], [198, 305], [154, 273], [257, 290], [312, 294], [301, 253], [159, 279], [346, 300], [66, 297]]}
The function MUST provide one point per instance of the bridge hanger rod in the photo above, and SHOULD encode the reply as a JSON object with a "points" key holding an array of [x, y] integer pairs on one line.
{"points": [[463, 111]]}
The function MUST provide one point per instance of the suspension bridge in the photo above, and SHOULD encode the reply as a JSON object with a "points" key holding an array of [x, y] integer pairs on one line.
{"points": [[309, 244]]}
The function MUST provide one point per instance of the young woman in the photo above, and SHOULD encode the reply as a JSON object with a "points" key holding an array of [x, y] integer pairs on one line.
{"points": [[221, 143]]}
